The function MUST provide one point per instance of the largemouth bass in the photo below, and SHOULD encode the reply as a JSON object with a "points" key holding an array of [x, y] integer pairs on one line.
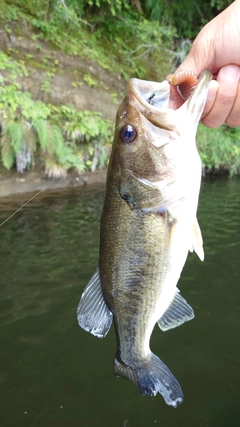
{"points": [[148, 225]]}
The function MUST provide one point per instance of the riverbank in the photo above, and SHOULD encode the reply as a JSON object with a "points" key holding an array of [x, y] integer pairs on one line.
{"points": [[62, 81], [13, 183], [61, 87]]}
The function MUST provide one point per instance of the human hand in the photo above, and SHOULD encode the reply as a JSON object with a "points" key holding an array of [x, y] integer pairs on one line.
{"points": [[216, 49]]}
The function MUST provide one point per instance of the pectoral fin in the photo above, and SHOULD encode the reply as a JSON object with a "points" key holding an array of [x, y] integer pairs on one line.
{"points": [[93, 313], [197, 241], [177, 313]]}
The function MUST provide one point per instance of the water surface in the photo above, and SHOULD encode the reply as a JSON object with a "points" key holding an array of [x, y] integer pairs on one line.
{"points": [[54, 374]]}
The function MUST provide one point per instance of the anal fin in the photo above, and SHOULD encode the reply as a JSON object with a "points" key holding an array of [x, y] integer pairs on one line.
{"points": [[177, 313], [93, 314]]}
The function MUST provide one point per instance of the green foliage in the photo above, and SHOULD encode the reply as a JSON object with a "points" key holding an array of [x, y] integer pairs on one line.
{"points": [[140, 53], [82, 126], [7, 151], [9, 12], [219, 148], [129, 38], [30, 127], [89, 80], [46, 85], [60, 149], [154, 9], [220, 4], [183, 15], [93, 29], [16, 134], [51, 16], [14, 68], [109, 7], [186, 16]]}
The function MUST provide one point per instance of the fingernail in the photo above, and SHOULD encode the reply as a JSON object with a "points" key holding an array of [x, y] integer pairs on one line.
{"points": [[230, 72]]}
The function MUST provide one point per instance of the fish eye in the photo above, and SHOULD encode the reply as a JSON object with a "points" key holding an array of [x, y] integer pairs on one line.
{"points": [[128, 133]]}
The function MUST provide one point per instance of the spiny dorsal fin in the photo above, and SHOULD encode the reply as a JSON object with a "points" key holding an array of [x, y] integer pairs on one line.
{"points": [[92, 312], [197, 241], [177, 313]]}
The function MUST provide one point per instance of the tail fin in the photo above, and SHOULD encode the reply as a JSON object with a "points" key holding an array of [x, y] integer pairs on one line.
{"points": [[152, 376]]}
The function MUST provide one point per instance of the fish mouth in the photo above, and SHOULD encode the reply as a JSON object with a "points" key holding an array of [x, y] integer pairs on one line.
{"points": [[151, 99], [169, 94], [163, 104], [151, 95]]}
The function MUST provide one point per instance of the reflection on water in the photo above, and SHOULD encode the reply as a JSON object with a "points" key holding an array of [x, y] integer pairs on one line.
{"points": [[54, 374]]}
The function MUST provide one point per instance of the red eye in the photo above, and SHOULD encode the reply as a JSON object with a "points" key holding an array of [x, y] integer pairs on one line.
{"points": [[128, 133]]}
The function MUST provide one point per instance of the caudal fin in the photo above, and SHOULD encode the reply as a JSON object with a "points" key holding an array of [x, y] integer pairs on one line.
{"points": [[152, 376]]}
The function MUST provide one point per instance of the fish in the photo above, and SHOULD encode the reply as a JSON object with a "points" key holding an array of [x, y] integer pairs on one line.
{"points": [[148, 226]]}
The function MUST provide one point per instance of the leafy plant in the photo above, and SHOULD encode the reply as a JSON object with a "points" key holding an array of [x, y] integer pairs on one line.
{"points": [[131, 38], [29, 126], [90, 80], [219, 148], [46, 85]]}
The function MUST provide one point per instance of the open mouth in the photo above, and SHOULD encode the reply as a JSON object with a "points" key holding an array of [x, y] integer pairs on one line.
{"points": [[169, 94], [151, 95]]}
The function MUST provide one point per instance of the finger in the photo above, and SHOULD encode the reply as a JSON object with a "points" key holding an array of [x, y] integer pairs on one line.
{"points": [[212, 92], [233, 119], [228, 79]]}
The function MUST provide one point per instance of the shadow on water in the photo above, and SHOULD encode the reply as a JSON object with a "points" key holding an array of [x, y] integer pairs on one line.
{"points": [[54, 374]]}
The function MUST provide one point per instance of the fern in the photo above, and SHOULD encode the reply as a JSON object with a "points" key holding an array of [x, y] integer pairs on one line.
{"points": [[41, 127], [30, 137], [80, 143], [57, 143], [53, 169], [7, 152], [16, 134]]}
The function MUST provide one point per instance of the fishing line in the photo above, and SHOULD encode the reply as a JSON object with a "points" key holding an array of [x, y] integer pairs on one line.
{"points": [[33, 197]]}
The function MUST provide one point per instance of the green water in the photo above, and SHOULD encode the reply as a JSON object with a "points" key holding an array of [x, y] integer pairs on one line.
{"points": [[54, 374]]}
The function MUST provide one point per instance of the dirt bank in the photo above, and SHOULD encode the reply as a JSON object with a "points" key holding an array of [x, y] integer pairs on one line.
{"points": [[57, 78], [66, 85]]}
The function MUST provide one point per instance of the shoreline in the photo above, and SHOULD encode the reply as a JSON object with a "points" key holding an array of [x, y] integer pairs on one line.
{"points": [[15, 184]]}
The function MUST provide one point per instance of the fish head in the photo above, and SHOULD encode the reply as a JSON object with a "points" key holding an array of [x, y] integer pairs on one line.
{"points": [[136, 140], [138, 134], [154, 145]]}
